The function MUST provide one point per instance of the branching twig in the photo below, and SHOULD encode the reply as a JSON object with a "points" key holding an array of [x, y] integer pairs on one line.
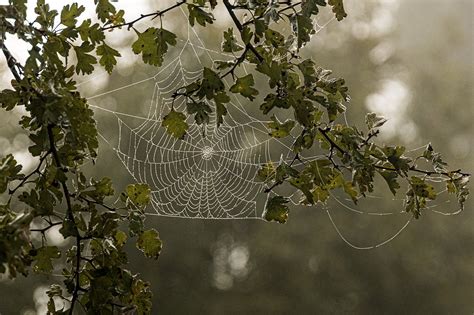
{"points": [[11, 61], [70, 216], [241, 28], [25, 179], [153, 15]]}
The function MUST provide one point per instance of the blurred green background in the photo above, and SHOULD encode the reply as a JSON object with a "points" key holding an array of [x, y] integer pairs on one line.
{"points": [[411, 61]]}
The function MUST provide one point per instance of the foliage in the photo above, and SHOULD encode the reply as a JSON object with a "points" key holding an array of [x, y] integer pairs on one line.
{"points": [[63, 133]]}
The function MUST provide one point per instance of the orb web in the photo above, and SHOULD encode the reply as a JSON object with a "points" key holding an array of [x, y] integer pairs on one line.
{"points": [[210, 174]]}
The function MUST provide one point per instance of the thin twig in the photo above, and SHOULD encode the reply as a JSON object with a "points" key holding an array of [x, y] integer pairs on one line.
{"points": [[153, 15]]}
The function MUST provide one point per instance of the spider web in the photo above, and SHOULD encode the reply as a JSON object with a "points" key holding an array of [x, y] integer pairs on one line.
{"points": [[211, 173]]}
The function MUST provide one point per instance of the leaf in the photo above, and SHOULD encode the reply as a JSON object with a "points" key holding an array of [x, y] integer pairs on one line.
{"points": [[273, 70], [303, 27], [271, 101], [107, 59], [120, 238], [9, 99], [210, 85], [149, 243], [276, 209], [85, 61], [246, 35], [200, 110], [350, 190], [422, 189], [278, 129], [391, 179], [100, 189], [175, 124], [395, 157], [153, 45], [138, 194], [43, 257], [307, 68], [274, 38], [458, 185], [104, 9], [266, 172], [310, 7], [243, 86], [230, 43], [373, 121], [221, 111], [283, 171], [9, 171], [70, 13], [304, 183], [338, 9], [199, 15], [91, 33], [320, 194]]}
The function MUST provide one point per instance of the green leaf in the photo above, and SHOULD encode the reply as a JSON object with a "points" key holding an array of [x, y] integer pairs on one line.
{"points": [[243, 86], [175, 124], [9, 99], [199, 15], [100, 189], [271, 101], [304, 183], [278, 129], [107, 56], [230, 43], [153, 45], [85, 61], [373, 121], [338, 9], [91, 33], [9, 171], [120, 238], [283, 171], [266, 172], [210, 85], [149, 243], [104, 9], [273, 70], [246, 35], [395, 157], [391, 179], [43, 257], [310, 7], [421, 188], [70, 13], [200, 110], [274, 38], [276, 209], [138, 194], [320, 194], [304, 28], [221, 111], [350, 190]]}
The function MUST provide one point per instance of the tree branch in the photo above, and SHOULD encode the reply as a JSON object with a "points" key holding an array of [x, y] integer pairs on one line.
{"points": [[11, 61], [25, 179], [153, 15], [241, 28], [70, 216]]}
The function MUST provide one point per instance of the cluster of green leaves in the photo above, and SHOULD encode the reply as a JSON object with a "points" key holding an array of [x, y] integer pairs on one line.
{"points": [[63, 133], [57, 193], [316, 100]]}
